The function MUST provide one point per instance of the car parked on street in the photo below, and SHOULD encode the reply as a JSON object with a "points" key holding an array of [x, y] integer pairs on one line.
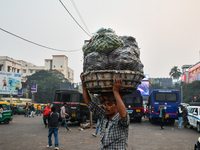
{"points": [[185, 105], [194, 117]]}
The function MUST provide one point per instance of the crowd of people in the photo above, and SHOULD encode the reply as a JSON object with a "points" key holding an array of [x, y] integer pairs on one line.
{"points": [[113, 119], [53, 121], [182, 116], [30, 110]]}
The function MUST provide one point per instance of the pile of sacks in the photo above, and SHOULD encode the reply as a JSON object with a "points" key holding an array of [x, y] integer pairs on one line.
{"points": [[107, 51]]}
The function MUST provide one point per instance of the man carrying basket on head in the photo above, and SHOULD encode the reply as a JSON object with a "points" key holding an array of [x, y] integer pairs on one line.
{"points": [[114, 118]]}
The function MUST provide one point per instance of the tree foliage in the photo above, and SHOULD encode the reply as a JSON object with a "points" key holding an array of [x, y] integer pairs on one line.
{"points": [[154, 86], [175, 73], [190, 90], [47, 82]]}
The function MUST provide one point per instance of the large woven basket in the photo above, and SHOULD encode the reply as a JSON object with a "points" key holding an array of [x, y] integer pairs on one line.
{"points": [[101, 81]]}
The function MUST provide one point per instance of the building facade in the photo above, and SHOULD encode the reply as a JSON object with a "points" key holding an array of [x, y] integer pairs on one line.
{"points": [[29, 69], [8, 64], [60, 63], [191, 73], [17, 71]]}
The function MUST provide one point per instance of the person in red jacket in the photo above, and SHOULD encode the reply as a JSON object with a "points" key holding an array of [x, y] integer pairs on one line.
{"points": [[46, 112]]}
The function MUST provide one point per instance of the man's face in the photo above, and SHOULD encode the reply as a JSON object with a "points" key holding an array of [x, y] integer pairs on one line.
{"points": [[110, 108], [160, 106], [48, 105]]}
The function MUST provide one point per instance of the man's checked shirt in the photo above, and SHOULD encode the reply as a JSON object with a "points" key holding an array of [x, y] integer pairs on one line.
{"points": [[113, 132]]}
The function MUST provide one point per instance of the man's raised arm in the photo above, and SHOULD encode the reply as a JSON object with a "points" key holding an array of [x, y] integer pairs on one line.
{"points": [[120, 104], [86, 95]]}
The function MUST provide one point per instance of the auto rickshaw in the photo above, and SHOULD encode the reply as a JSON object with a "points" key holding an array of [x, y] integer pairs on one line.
{"points": [[36, 106], [6, 116], [12, 106], [20, 108]]}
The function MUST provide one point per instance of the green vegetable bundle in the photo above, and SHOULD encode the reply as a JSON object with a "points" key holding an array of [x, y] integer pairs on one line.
{"points": [[104, 41]]}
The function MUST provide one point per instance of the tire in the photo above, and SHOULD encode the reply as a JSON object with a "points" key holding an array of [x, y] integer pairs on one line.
{"points": [[198, 127], [191, 127], [6, 121], [83, 120], [171, 121], [138, 119]]}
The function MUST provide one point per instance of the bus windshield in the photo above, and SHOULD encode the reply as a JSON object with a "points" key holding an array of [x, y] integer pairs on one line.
{"points": [[166, 97], [133, 100], [62, 97]]}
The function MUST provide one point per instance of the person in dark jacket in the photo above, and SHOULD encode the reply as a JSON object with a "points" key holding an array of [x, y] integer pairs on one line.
{"points": [[162, 114], [53, 123], [185, 119]]}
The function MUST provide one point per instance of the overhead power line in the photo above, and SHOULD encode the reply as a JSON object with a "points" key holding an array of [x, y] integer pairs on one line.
{"points": [[39, 44], [80, 16], [74, 19]]}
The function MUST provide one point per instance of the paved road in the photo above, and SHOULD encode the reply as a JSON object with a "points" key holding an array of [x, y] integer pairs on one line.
{"points": [[30, 134]]}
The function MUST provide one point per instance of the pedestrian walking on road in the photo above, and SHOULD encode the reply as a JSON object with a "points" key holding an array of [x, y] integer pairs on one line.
{"points": [[46, 112], [32, 110], [29, 109], [114, 117], [162, 114], [185, 119], [97, 128], [63, 115], [53, 123], [26, 110], [39, 110], [180, 116]]}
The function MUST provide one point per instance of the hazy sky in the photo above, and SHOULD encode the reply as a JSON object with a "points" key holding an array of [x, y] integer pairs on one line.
{"points": [[167, 31]]}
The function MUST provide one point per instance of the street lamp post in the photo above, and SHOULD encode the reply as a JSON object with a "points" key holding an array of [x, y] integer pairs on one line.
{"points": [[10, 96]]}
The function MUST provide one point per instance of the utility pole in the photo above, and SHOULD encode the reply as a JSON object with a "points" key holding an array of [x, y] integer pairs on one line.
{"points": [[10, 96], [32, 97]]}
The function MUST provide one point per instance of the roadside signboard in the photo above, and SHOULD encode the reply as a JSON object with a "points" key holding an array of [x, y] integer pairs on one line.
{"points": [[33, 88], [20, 92], [10, 82]]}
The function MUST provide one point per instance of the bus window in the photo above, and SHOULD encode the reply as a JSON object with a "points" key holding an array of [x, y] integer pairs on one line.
{"points": [[159, 97], [129, 100], [74, 98], [65, 98], [137, 100], [171, 97], [165, 97]]}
